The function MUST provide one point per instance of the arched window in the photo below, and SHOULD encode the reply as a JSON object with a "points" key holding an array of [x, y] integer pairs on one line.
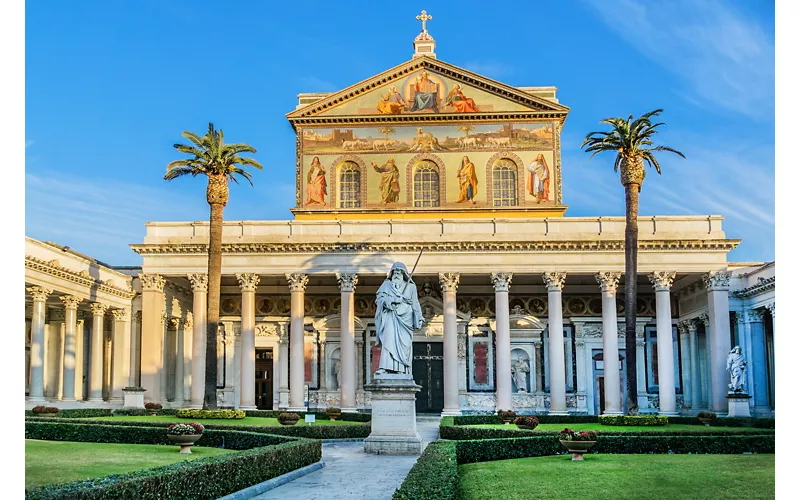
{"points": [[504, 183], [426, 184], [349, 185]]}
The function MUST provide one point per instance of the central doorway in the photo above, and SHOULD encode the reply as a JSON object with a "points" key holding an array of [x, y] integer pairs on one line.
{"points": [[264, 379], [427, 367]]}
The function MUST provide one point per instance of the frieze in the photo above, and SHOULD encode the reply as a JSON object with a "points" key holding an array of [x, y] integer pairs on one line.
{"points": [[267, 330]]}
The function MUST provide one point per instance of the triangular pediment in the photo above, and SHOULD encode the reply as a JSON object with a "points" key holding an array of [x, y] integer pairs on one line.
{"points": [[426, 86]]}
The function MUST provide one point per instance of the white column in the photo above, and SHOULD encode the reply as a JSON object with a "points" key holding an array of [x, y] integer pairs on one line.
{"points": [[746, 342], [297, 285], [539, 365], [694, 364], [555, 326], [502, 282], [719, 317], [188, 338], [686, 373], [177, 383], [348, 368], [248, 283], [96, 364], [39, 295], [199, 310], [70, 319], [449, 282], [120, 345], [662, 281], [152, 346], [283, 370], [611, 376]]}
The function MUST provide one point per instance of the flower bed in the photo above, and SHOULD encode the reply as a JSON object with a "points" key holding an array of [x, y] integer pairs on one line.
{"points": [[216, 414], [633, 420], [263, 457], [44, 410]]}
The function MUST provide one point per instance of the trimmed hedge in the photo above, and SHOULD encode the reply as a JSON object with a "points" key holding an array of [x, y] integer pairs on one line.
{"points": [[434, 476], [543, 419], [264, 457], [304, 431], [630, 420], [79, 413], [321, 415], [220, 414]]}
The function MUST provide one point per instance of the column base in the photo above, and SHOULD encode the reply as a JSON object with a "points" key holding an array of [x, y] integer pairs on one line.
{"points": [[451, 412], [249, 407], [615, 413], [297, 409], [393, 445], [67, 400], [558, 412], [350, 410]]}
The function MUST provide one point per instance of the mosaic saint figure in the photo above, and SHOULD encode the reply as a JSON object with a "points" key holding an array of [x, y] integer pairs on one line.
{"points": [[390, 185], [425, 94], [392, 104], [736, 366], [467, 181], [538, 183], [398, 315], [316, 185], [462, 103]]}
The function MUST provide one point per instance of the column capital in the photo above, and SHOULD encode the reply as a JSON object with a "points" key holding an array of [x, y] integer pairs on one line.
{"points": [[771, 308], [755, 315], [120, 314], [662, 280], [297, 281], [199, 282], [248, 281], [152, 282], [449, 281], [717, 281], [703, 318], [189, 322], [501, 281], [537, 344], [684, 326], [98, 309], [70, 301], [347, 281], [554, 281], [39, 293], [608, 281]]}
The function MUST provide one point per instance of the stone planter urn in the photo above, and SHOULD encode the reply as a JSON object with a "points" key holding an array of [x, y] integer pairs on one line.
{"points": [[577, 448], [706, 421], [185, 441], [288, 419], [529, 427]]}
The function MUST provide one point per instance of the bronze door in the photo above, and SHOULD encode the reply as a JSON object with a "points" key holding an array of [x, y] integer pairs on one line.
{"points": [[427, 367], [264, 379]]}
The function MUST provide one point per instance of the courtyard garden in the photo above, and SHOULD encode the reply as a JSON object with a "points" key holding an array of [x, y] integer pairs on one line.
{"points": [[244, 422]]}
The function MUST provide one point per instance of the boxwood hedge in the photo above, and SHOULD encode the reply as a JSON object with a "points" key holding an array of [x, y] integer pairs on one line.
{"points": [[220, 414], [632, 420], [263, 457], [434, 476]]}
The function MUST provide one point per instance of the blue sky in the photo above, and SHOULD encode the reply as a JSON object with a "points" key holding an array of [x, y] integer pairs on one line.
{"points": [[110, 86]]}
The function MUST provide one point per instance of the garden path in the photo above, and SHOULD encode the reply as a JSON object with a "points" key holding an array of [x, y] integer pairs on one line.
{"points": [[351, 474]]}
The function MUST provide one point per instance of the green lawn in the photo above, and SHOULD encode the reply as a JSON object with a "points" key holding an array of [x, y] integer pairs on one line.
{"points": [[625, 428], [55, 462], [619, 477], [246, 421]]}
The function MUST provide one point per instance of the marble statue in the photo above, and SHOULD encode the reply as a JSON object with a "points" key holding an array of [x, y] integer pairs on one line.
{"points": [[398, 315], [519, 374], [737, 366], [337, 372]]}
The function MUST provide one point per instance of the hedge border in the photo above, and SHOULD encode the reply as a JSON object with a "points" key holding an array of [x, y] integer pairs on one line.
{"points": [[355, 431], [262, 457]]}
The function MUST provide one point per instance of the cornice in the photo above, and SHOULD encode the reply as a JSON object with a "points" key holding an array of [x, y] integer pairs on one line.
{"points": [[53, 268], [763, 285], [447, 246]]}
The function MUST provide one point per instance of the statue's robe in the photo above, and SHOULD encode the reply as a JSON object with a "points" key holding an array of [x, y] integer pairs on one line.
{"points": [[395, 328]]}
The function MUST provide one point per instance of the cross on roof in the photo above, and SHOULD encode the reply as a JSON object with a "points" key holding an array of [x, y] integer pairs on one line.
{"points": [[424, 17]]}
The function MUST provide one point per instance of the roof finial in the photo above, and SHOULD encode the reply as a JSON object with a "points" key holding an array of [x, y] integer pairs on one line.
{"points": [[424, 44]]}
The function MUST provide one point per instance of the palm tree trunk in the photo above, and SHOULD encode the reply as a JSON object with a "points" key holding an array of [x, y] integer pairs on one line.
{"points": [[217, 197], [631, 257]]}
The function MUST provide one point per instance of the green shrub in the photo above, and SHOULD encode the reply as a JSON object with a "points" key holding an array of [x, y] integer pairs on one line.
{"points": [[220, 414], [263, 458], [80, 413], [543, 419], [707, 414], [434, 476], [130, 412], [350, 417], [654, 420]]}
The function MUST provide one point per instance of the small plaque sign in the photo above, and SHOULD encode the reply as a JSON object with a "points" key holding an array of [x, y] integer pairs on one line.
{"points": [[310, 418]]}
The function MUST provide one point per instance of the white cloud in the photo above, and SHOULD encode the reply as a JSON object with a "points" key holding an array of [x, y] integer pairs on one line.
{"points": [[726, 57]]}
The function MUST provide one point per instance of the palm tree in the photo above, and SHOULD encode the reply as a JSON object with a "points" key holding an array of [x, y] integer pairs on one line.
{"points": [[210, 156], [630, 139], [466, 129], [386, 131]]}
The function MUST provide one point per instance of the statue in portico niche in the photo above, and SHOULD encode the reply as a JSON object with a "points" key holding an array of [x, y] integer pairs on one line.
{"points": [[737, 367], [398, 315], [519, 374]]}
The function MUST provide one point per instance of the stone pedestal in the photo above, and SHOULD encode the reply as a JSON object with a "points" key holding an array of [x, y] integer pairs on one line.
{"points": [[394, 416], [133, 397], [738, 405]]}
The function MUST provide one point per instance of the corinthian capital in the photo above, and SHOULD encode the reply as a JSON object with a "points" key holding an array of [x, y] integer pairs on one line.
{"points": [[554, 281], [501, 281], [449, 281], [704, 319], [98, 309], [120, 314], [347, 281], [608, 281], [70, 301], [771, 308], [39, 293], [152, 282], [248, 281], [717, 281], [662, 280], [199, 282], [297, 281]]}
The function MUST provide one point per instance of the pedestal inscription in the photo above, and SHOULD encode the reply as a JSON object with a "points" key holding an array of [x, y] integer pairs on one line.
{"points": [[738, 405], [394, 416]]}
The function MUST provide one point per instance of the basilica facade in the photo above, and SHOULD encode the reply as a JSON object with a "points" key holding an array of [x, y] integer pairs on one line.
{"points": [[459, 177]]}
